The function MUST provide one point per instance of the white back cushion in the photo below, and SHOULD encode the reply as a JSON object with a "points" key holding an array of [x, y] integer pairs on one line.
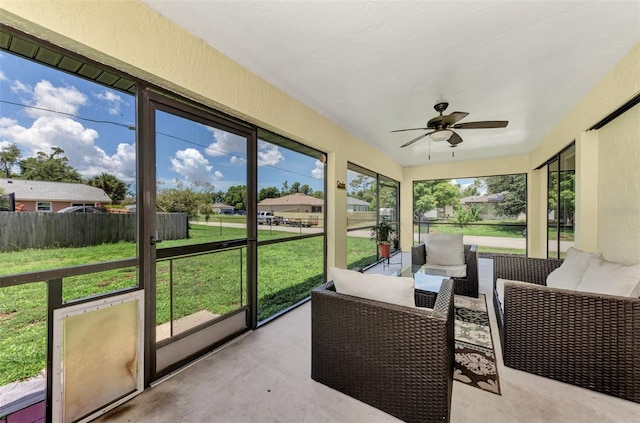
{"points": [[570, 272], [390, 289], [611, 278], [444, 249]]}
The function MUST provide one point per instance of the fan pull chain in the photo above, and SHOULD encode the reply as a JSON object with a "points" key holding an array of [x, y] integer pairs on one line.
{"points": [[429, 148]]}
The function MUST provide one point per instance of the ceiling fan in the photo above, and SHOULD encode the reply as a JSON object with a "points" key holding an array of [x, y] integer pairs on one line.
{"points": [[441, 126]]}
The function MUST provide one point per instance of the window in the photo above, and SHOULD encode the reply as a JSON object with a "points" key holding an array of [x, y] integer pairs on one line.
{"points": [[561, 190], [491, 208], [69, 126], [291, 223], [371, 197], [43, 207]]}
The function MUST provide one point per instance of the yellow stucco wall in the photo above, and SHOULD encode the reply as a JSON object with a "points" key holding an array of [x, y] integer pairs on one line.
{"points": [[596, 187], [619, 188]]}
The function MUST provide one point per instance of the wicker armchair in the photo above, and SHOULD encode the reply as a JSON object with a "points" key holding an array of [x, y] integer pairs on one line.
{"points": [[395, 358], [585, 339], [468, 285]]}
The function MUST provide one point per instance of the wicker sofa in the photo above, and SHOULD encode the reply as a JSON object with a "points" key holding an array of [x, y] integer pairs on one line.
{"points": [[395, 358], [467, 285], [585, 339]]}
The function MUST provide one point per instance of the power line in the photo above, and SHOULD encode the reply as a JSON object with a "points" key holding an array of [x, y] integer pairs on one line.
{"points": [[133, 128], [130, 127]]}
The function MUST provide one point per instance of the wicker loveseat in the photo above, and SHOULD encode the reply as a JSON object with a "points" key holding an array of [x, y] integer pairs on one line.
{"points": [[467, 285], [585, 339], [395, 358]]}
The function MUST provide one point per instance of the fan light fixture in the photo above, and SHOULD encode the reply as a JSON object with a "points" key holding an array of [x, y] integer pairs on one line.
{"points": [[442, 135]]}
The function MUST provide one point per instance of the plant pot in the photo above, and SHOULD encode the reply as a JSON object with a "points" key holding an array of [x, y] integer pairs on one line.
{"points": [[384, 250]]}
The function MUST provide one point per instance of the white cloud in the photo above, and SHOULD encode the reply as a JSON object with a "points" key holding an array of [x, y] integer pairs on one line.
{"points": [[225, 143], [18, 87], [237, 160], [3, 77], [47, 132], [113, 100], [318, 171], [268, 154], [50, 129], [122, 164], [60, 99], [193, 166]]}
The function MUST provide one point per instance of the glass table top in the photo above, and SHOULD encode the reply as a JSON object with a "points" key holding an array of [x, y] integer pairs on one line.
{"points": [[425, 279]]}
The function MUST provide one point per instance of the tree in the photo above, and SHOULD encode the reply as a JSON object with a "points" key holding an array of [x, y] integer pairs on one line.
{"points": [[4, 201], [295, 188], [306, 189], [269, 192], [236, 196], [318, 194], [363, 187], [112, 186], [566, 209], [218, 197], [473, 189], [49, 167], [515, 189], [428, 195], [186, 199], [9, 157]]}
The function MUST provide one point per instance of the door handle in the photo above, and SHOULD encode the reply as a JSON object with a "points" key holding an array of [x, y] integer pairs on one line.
{"points": [[154, 239]]}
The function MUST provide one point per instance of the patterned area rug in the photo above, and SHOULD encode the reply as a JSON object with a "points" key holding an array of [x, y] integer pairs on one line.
{"points": [[475, 358]]}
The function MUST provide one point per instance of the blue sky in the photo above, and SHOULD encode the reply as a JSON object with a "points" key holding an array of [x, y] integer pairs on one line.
{"points": [[92, 125]]}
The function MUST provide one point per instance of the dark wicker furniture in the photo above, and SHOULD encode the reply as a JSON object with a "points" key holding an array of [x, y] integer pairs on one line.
{"points": [[468, 285], [395, 358], [588, 340]]}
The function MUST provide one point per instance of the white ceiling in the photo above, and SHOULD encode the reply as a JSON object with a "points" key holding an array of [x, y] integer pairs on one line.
{"points": [[372, 67]]}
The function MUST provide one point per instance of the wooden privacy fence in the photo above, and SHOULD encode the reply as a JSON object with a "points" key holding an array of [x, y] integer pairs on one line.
{"points": [[19, 231]]}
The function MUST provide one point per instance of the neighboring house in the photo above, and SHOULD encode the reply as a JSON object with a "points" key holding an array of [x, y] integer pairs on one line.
{"points": [[491, 198], [298, 202], [46, 196], [219, 207], [488, 204], [356, 205]]}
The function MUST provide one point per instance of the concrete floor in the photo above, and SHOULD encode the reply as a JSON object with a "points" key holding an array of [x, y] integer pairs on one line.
{"points": [[265, 377]]}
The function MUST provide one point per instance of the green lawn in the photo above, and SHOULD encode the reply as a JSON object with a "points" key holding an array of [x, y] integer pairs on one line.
{"points": [[286, 274], [488, 228]]}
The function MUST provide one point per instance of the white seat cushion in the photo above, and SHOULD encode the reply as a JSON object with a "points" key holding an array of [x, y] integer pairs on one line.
{"points": [[611, 278], [459, 271], [444, 249], [389, 289], [500, 290], [570, 272]]}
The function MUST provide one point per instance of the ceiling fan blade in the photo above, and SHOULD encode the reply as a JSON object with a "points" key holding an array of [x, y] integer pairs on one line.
{"points": [[411, 129], [452, 118], [482, 124], [455, 139], [414, 140]]}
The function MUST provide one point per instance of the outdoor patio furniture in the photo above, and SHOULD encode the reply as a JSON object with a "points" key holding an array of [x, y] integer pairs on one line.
{"points": [[582, 338], [396, 358], [464, 285]]}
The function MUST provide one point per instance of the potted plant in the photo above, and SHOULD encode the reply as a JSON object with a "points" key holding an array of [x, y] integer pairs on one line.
{"points": [[382, 233]]}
